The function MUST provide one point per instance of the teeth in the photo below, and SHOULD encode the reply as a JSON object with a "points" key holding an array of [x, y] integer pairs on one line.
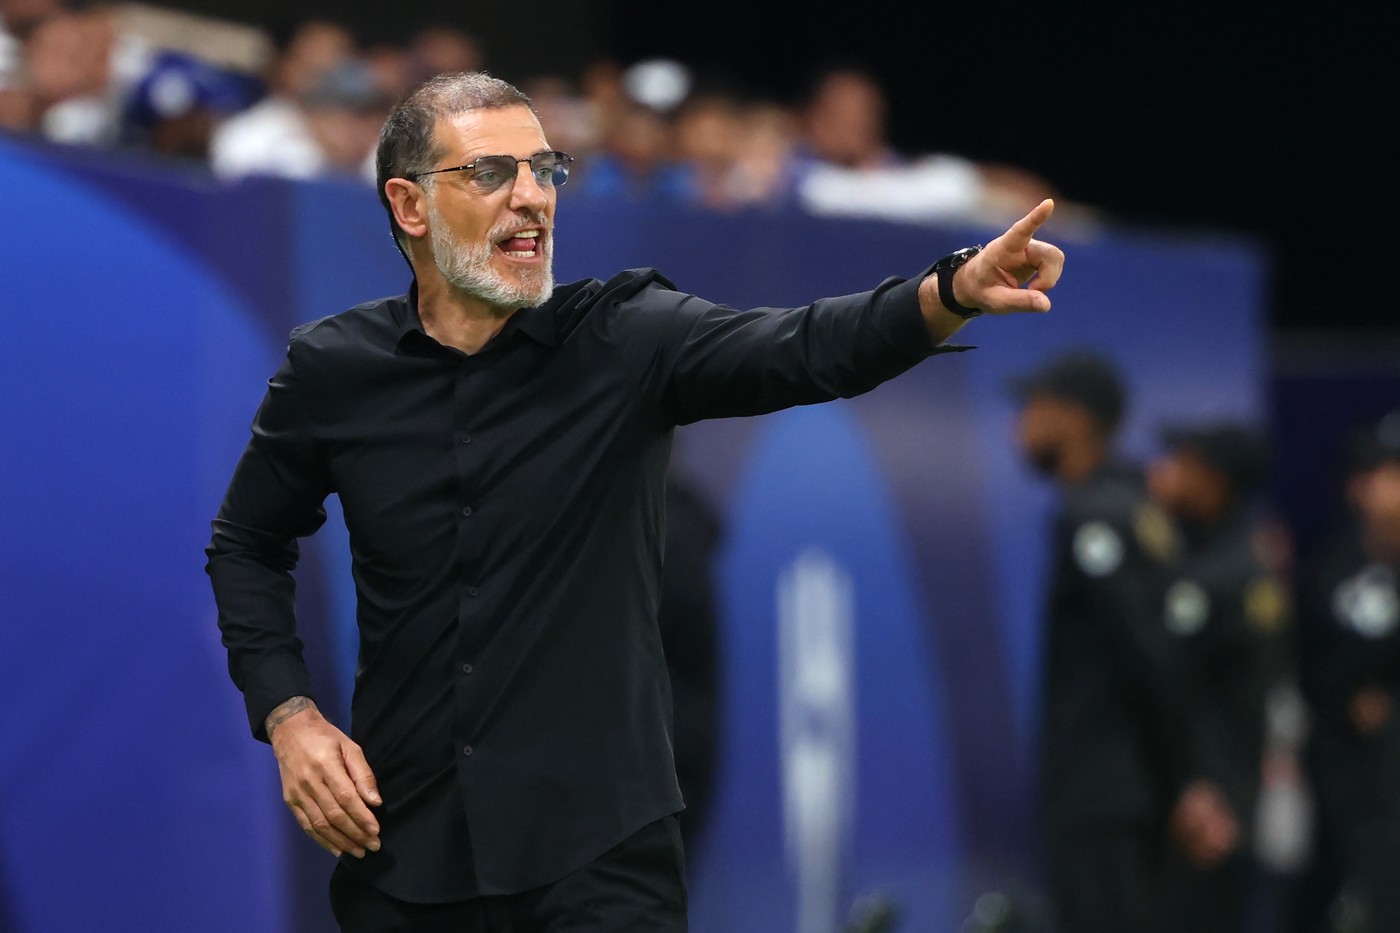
{"points": [[519, 254]]}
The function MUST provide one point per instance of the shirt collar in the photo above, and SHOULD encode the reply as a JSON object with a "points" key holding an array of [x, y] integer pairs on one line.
{"points": [[537, 323]]}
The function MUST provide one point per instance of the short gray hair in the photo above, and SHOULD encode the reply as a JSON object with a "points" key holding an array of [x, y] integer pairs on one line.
{"points": [[408, 142]]}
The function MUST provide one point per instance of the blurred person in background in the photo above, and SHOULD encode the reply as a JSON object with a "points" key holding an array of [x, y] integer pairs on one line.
{"points": [[441, 49], [637, 156], [391, 69], [564, 114], [1228, 609], [1123, 758], [1349, 664], [709, 137], [500, 448], [67, 66], [174, 108], [274, 136], [344, 111], [766, 171], [18, 18], [849, 167]]}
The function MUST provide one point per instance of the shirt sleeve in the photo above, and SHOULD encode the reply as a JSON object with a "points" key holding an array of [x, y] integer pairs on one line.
{"points": [[275, 497], [719, 362]]}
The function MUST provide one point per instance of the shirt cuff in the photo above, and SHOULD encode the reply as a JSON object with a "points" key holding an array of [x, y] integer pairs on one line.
{"points": [[272, 683], [907, 319]]}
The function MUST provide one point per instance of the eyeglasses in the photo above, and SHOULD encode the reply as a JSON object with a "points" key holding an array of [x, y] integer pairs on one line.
{"points": [[490, 173]]}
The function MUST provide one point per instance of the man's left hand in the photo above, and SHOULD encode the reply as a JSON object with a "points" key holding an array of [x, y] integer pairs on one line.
{"points": [[1012, 273], [992, 280]]}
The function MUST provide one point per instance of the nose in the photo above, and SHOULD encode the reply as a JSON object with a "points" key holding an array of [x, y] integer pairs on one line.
{"points": [[526, 193]]}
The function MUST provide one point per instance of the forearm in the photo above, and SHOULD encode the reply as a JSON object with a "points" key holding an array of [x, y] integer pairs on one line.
{"points": [[255, 594]]}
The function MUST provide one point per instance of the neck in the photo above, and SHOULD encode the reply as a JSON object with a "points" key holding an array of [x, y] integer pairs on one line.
{"points": [[1079, 461], [454, 318]]}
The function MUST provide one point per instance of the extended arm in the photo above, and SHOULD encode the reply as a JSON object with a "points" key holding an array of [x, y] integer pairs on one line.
{"points": [[719, 362]]}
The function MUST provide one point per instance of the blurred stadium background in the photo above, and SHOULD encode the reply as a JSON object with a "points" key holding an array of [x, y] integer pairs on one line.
{"points": [[1227, 221]]}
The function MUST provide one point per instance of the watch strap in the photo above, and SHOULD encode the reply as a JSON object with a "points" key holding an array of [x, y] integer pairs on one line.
{"points": [[944, 269]]}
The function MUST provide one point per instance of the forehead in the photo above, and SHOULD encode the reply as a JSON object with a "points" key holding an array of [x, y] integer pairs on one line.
{"points": [[498, 131]]}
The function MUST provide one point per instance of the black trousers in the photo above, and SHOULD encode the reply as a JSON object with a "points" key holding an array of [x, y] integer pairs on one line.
{"points": [[639, 885], [1214, 900], [1106, 879]]}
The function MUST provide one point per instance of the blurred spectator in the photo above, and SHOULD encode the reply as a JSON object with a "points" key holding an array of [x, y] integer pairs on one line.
{"points": [[636, 155], [851, 169], [440, 49], [344, 112], [274, 137], [67, 61], [709, 138], [391, 68], [1228, 612], [600, 86], [765, 170], [174, 108], [19, 18], [1349, 662], [565, 116], [844, 121]]}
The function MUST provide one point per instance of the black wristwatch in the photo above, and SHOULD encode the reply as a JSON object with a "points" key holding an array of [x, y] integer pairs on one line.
{"points": [[944, 269]]}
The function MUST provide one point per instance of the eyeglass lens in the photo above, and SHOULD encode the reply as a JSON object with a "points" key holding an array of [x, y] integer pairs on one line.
{"points": [[549, 169]]}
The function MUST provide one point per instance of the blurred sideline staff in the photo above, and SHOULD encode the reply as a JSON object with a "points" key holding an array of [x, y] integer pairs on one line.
{"points": [[1349, 632], [1123, 757], [1227, 611]]}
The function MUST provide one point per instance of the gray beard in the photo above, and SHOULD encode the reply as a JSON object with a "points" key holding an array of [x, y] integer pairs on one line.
{"points": [[467, 267]]}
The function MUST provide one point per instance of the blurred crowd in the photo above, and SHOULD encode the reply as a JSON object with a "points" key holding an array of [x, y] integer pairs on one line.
{"points": [[310, 103], [1220, 748]]}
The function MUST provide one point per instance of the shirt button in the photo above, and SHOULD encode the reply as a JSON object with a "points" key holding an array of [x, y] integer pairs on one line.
{"points": [[467, 511], [466, 668], [471, 591], [467, 750]]}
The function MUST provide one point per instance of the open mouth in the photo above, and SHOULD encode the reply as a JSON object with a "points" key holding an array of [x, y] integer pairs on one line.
{"points": [[523, 244]]}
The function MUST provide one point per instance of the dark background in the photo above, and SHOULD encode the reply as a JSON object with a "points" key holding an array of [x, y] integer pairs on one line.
{"points": [[1260, 120]]}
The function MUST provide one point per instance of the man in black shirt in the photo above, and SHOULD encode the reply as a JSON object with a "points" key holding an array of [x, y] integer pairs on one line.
{"points": [[499, 447], [1228, 611], [1122, 759]]}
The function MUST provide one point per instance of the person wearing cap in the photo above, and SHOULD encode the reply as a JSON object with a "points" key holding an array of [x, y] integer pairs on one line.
{"points": [[1349, 668], [1228, 610], [1122, 755], [499, 447]]}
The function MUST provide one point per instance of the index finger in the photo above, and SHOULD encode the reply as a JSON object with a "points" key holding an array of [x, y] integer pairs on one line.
{"points": [[1018, 237]]}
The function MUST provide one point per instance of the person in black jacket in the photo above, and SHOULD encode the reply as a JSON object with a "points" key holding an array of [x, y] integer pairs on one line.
{"points": [[1122, 755], [1228, 610], [1349, 668]]}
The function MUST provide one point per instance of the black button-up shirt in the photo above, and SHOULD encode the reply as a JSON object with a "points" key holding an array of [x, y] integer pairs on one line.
{"points": [[505, 512]]}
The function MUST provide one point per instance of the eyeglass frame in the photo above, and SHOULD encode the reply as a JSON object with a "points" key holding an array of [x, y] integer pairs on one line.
{"points": [[562, 158]]}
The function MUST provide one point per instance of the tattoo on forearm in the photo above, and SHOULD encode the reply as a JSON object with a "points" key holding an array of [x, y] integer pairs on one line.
{"points": [[287, 710]]}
